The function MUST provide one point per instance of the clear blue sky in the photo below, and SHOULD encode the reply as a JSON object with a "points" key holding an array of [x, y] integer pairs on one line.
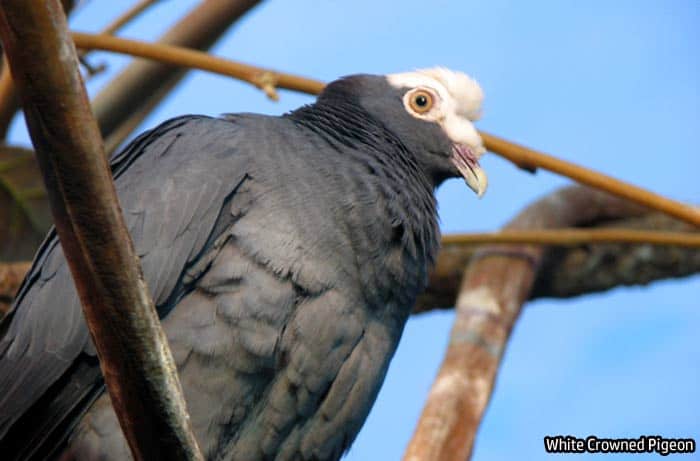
{"points": [[611, 85]]}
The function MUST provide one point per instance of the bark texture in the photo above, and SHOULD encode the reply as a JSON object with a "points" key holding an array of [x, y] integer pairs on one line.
{"points": [[136, 362], [497, 282]]}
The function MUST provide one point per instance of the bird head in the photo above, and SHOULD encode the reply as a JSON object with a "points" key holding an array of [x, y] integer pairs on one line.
{"points": [[432, 112]]}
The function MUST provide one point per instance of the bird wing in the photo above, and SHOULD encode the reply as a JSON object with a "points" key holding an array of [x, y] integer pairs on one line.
{"points": [[269, 369], [276, 345], [333, 356], [180, 176]]}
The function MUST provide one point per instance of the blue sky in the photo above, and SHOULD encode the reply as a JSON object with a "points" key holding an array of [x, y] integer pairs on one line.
{"points": [[610, 85]]}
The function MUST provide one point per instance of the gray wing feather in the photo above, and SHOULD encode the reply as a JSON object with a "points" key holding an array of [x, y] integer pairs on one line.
{"points": [[170, 206], [269, 370]]}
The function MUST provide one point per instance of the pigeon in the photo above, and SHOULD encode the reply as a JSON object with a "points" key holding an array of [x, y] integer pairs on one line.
{"points": [[284, 255]]}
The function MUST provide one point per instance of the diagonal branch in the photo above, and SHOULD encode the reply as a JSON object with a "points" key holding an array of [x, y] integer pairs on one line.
{"points": [[267, 79], [495, 285], [126, 17], [570, 237], [575, 270], [133, 94], [530, 159], [594, 268], [136, 362], [9, 103]]}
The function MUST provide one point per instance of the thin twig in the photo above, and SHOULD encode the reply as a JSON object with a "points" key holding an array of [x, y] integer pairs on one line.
{"points": [[9, 103], [517, 154], [529, 158], [123, 104], [198, 60], [111, 29], [135, 359], [570, 237], [128, 16]]}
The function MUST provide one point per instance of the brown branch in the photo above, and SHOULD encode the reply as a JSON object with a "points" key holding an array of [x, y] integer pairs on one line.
{"points": [[576, 270], [571, 237], [529, 159], [129, 15], [179, 56], [138, 368], [9, 102], [494, 288], [133, 94], [267, 79], [594, 268]]}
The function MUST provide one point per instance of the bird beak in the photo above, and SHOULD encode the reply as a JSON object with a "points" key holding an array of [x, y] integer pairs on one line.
{"points": [[466, 162]]}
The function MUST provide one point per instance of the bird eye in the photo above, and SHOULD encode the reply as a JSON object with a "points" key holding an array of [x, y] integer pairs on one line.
{"points": [[421, 101]]}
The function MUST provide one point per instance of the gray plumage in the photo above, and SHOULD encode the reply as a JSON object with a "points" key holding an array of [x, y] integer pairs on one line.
{"points": [[284, 255]]}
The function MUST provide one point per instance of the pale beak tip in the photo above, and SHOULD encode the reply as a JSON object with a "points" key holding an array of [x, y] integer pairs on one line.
{"points": [[467, 163], [478, 181]]}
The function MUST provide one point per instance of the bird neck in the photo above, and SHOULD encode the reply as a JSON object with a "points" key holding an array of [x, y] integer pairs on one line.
{"points": [[355, 134], [348, 128]]}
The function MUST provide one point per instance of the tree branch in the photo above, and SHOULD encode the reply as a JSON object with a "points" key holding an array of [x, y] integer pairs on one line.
{"points": [[113, 28], [577, 270], [570, 237], [138, 368], [9, 103], [268, 80], [497, 282], [531, 159], [133, 94], [593, 268]]}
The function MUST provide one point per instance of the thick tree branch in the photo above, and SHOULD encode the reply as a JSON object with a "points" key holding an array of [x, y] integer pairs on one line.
{"points": [[133, 94], [9, 103], [593, 268], [496, 284], [138, 368], [575, 270]]}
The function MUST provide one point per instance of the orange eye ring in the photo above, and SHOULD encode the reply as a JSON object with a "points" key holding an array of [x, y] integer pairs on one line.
{"points": [[421, 101]]}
